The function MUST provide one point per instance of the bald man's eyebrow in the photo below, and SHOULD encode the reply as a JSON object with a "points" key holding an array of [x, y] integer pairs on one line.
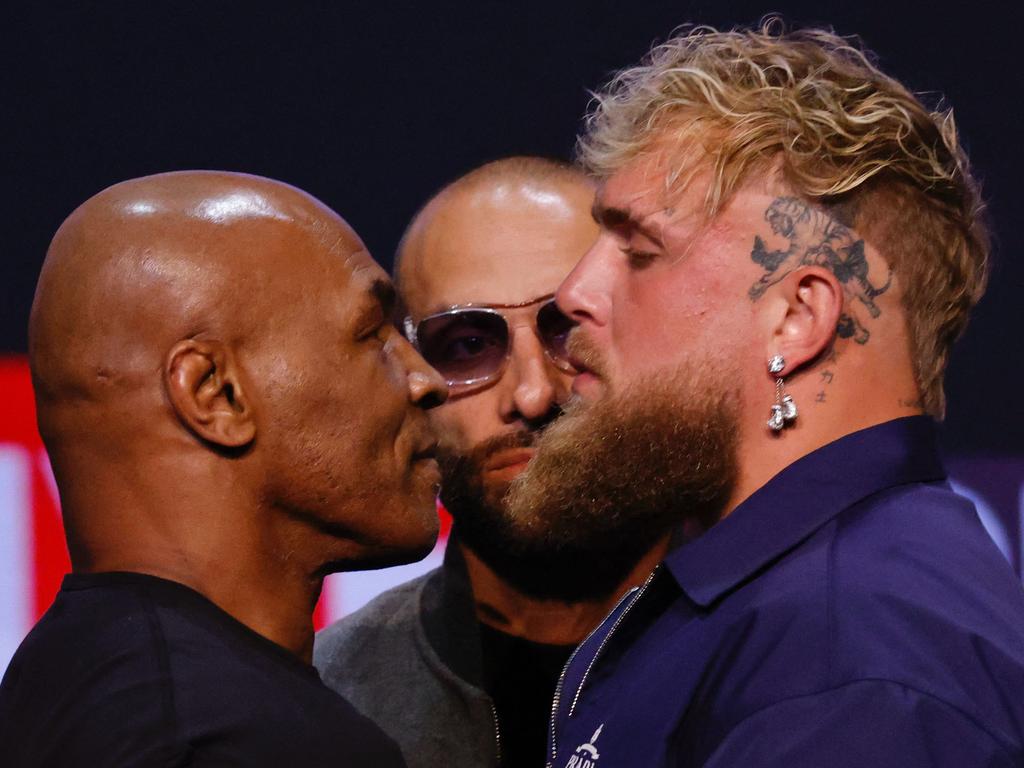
{"points": [[385, 294], [376, 308], [623, 221]]}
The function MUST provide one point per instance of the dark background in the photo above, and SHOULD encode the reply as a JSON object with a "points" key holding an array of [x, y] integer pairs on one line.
{"points": [[372, 108]]}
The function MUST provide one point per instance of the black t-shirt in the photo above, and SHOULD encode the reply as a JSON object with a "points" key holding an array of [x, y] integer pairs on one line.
{"points": [[132, 670], [520, 677]]}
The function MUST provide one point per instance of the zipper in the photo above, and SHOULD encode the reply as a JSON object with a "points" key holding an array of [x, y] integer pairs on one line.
{"points": [[561, 679], [604, 642], [634, 593], [497, 731]]}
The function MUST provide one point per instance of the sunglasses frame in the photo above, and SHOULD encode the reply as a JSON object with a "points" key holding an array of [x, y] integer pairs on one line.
{"points": [[410, 328]]}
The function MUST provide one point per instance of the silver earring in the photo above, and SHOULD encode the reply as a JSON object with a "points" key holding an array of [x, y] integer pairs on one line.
{"points": [[784, 410]]}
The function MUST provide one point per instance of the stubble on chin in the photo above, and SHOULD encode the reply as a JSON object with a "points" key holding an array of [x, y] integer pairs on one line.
{"points": [[477, 505]]}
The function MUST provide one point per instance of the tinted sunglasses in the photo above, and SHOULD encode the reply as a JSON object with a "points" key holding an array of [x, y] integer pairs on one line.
{"points": [[470, 345]]}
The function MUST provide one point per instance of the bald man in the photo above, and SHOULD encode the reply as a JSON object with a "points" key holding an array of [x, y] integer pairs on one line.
{"points": [[230, 415], [460, 666]]}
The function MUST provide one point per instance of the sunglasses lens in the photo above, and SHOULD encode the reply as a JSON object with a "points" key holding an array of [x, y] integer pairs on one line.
{"points": [[464, 346], [553, 328]]}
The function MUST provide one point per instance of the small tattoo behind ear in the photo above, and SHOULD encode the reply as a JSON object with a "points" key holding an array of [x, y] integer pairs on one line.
{"points": [[848, 327]]}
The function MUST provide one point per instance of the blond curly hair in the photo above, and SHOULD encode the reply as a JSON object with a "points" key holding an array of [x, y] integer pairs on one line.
{"points": [[843, 132]]}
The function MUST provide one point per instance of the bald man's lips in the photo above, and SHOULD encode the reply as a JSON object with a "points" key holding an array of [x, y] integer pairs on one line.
{"points": [[508, 462], [425, 462], [427, 452]]}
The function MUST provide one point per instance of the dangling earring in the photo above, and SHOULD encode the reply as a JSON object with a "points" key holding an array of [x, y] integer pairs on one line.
{"points": [[784, 410]]}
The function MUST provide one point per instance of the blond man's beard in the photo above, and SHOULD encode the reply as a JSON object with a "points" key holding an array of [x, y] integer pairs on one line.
{"points": [[611, 478]]}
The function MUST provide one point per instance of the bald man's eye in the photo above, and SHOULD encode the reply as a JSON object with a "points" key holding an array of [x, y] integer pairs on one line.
{"points": [[465, 346], [469, 347], [383, 332], [376, 329]]}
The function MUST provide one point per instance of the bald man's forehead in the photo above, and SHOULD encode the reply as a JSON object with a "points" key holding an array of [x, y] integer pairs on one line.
{"points": [[179, 253], [504, 244], [364, 270]]}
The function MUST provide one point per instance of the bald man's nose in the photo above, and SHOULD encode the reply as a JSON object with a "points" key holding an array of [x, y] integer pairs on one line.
{"points": [[427, 388], [534, 383]]}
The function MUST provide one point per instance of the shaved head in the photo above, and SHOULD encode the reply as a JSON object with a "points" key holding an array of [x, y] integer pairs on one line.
{"points": [[217, 381], [153, 260], [472, 225]]}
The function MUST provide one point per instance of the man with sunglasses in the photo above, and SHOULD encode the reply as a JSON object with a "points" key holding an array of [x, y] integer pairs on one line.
{"points": [[460, 666]]}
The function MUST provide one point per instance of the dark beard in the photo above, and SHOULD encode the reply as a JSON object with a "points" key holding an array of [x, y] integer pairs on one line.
{"points": [[612, 478], [483, 524], [481, 517]]}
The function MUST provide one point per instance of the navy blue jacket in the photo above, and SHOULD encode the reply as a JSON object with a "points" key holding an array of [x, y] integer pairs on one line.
{"points": [[852, 612]]}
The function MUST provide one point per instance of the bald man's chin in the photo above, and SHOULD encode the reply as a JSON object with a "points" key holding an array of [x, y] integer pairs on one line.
{"points": [[416, 552], [500, 470], [404, 530], [419, 543], [423, 521]]}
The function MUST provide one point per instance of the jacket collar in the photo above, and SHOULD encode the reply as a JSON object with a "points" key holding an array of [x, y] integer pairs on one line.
{"points": [[802, 498], [448, 616]]}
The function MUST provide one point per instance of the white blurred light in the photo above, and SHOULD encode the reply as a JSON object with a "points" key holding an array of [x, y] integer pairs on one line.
{"points": [[237, 205]]}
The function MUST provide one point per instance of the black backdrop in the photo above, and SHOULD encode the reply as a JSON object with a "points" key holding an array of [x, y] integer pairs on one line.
{"points": [[372, 107]]}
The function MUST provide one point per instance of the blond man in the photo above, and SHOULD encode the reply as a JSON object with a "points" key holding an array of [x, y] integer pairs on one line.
{"points": [[790, 243]]}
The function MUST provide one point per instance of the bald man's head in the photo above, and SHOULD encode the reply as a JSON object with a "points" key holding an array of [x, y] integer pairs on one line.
{"points": [[502, 198], [224, 333], [153, 260], [502, 237]]}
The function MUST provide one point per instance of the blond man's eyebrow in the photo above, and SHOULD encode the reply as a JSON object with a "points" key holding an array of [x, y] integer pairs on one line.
{"points": [[614, 218]]}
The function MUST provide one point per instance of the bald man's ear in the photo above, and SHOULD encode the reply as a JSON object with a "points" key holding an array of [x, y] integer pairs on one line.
{"points": [[205, 390], [809, 303]]}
